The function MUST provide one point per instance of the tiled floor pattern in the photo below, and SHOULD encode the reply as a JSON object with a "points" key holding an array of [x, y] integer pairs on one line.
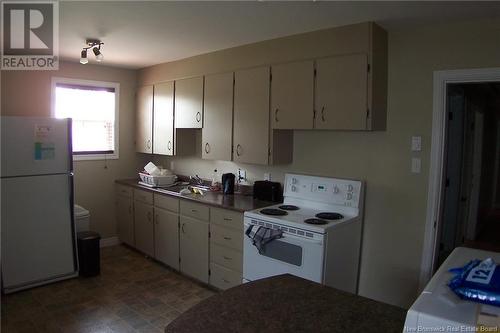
{"points": [[132, 294]]}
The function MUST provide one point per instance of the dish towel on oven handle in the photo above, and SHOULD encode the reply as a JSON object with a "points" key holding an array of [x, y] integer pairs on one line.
{"points": [[260, 236]]}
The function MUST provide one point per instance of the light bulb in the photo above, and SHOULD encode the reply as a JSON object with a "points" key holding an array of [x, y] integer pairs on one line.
{"points": [[83, 59], [98, 54]]}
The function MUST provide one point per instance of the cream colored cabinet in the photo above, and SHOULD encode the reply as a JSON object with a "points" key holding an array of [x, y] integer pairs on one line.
{"points": [[125, 215], [189, 103], [166, 236], [341, 92], [218, 117], [292, 95], [194, 248], [226, 248], [144, 120], [251, 116], [163, 115], [143, 218], [144, 229]]}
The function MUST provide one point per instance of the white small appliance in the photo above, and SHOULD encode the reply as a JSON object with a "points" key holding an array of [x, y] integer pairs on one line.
{"points": [[439, 309], [37, 217], [321, 221]]}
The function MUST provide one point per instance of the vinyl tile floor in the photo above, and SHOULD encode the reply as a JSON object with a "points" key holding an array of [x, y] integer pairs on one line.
{"points": [[132, 294]]}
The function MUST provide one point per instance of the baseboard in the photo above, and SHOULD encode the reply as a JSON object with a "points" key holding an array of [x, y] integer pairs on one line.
{"points": [[110, 241]]}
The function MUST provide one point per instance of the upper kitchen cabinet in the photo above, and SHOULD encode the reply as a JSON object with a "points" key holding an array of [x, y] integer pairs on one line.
{"points": [[218, 117], [251, 116], [292, 95], [189, 103], [163, 115], [144, 114], [253, 139], [351, 89]]}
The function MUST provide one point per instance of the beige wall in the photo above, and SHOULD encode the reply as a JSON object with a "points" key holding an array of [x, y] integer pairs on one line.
{"points": [[27, 93], [395, 198]]}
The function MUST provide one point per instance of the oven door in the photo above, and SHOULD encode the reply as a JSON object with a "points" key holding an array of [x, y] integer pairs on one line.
{"points": [[291, 254]]}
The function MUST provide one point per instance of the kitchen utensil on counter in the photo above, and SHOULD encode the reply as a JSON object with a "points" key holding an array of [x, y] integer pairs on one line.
{"points": [[228, 183], [267, 191]]}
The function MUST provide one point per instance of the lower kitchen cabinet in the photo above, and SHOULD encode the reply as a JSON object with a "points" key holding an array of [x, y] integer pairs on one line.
{"points": [[223, 278], [166, 236], [125, 219], [226, 248], [193, 238], [144, 228]]}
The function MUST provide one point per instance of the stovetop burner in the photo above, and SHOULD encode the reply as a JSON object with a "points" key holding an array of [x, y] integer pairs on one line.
{"points": [[315, 221], [288, 207], [273, 211], [329, 216]]}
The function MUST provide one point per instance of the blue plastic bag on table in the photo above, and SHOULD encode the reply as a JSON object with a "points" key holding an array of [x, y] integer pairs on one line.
{"points": [[478, 281]]}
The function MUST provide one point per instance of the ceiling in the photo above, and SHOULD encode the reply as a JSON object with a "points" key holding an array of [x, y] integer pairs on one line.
{"points": [[139, 34]]}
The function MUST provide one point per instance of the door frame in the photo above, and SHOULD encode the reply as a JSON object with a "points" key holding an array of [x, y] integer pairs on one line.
{"points": [[435, 187]]}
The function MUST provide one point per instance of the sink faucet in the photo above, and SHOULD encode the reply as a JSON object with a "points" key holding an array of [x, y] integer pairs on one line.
{"points": [[196, 179]]}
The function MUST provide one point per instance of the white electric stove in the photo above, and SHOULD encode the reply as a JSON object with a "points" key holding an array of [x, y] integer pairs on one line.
{"points": [[321, 221]]}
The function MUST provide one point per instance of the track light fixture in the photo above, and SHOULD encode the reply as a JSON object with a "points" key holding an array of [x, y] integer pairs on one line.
{"points": [[95, 45]]}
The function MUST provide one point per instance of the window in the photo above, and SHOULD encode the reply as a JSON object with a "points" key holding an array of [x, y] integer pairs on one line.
{"points": [[93, 107]]}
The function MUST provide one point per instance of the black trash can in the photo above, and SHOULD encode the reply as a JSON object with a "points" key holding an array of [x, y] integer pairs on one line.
{"points": [[89, 253]]}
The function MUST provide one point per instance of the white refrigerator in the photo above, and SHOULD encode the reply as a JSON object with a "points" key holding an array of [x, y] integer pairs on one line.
{"points": [[37, 222]]}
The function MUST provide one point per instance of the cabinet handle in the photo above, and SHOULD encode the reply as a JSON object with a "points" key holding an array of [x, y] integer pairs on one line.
{"points": [[130, 209], [227, 238], [225, 280], [169, 145], [207, 148], [323, 113], [227, 258], [194, 211], [149, 216], [227, 219], [276, 115], [198, 116], [238, 149], [157, 218], [148, 144], [182, 228]]}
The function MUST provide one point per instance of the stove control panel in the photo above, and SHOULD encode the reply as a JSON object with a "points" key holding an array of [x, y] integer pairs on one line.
{"points": [[336, 191]]}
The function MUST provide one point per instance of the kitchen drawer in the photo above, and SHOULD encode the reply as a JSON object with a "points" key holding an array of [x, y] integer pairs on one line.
{"points": [[226, 257], [193, 209], [124, 190], [227, 218], [227, 237], [143, 196], [166, 202], [224, 278]]}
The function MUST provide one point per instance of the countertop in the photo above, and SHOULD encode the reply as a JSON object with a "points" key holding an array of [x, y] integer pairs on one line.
{"points": [[286, 303], [236, 202]]}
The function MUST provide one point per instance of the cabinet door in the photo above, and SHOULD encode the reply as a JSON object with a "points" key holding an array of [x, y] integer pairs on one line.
{"points": [[144, 120], [189, 103], [167, 237], [218, 117], [125, 219], [251, 116], [292, 97], [194, 248], [163, 133], [144, 228], [341, 92]]}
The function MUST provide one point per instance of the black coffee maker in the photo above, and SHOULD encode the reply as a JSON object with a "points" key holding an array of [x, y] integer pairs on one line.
{"points": [[228, 183]]}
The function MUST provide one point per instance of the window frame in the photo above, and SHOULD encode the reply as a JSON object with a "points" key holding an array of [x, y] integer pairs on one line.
{"points": [[71, 81]]}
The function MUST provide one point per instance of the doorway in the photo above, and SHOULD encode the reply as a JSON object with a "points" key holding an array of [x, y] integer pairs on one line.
{"points": [[470, 211]]}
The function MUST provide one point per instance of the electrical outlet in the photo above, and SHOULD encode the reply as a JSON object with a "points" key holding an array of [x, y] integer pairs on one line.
{"points": [[416, 164], [267, 176], [242, 175], [416, 143]]}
